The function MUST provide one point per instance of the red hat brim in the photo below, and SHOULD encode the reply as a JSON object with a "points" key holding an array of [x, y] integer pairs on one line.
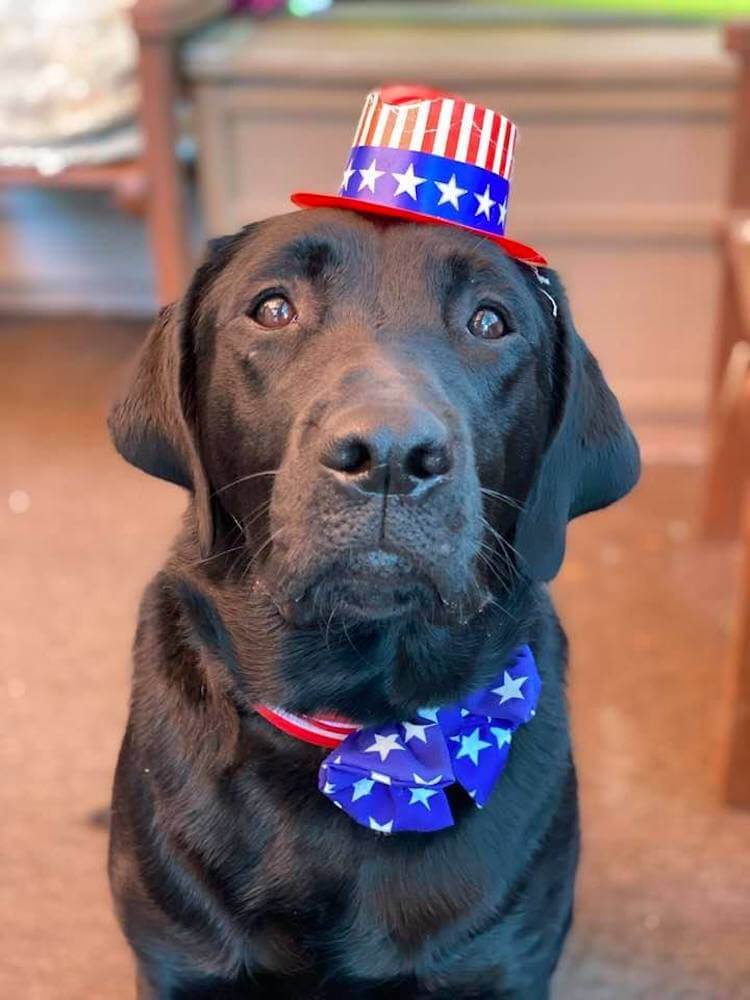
{"points": [[307, 199]]}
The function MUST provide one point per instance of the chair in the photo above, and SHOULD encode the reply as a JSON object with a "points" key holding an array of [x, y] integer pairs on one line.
{"points": [[726, 507]]}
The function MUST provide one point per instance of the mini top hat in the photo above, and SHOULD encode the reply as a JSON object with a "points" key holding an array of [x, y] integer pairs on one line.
{"points": [[426, 156]]}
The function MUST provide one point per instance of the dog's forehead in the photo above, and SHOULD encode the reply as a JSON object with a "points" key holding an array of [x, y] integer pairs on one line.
{"points": [[365, 247]]}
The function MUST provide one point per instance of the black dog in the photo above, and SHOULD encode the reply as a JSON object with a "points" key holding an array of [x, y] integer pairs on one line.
{"points": [[384, 429]]}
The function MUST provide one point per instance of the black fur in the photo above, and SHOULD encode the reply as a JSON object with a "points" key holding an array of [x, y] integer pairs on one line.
{"points": [[232, 875]]}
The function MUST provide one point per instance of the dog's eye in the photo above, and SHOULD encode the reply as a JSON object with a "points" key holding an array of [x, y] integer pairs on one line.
{"points": [[487, 324], [274, 312]]}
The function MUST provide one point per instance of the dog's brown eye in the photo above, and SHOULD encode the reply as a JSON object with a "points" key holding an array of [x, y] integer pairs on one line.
{"points": [[274, 312], [487, 324]]}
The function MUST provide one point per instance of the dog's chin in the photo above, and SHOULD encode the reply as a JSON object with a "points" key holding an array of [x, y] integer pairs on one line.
{"points": [[373, 585]]}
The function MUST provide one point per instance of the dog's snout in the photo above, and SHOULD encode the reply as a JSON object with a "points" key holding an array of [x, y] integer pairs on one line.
{"points": [[399, 450]]}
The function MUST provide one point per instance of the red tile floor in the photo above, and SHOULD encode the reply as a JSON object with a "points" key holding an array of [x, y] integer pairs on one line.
{"points": [[664, 891]]}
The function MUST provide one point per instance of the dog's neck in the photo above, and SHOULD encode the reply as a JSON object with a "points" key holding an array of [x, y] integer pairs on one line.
{"points": [[367, 672]]}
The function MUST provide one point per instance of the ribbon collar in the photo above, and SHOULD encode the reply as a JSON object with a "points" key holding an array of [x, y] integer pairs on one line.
{"points": [[392, 777]]}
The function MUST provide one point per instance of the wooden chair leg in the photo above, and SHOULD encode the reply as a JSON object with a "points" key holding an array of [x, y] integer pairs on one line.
{"points": [[728, 463], [167, 214], [737, 779]]}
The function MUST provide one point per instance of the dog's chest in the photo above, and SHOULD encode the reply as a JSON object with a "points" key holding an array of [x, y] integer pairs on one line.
{"points": [[372, 912]]}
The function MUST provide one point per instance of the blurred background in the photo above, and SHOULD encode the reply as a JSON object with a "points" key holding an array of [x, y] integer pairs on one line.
{"points": [[130, 132]]}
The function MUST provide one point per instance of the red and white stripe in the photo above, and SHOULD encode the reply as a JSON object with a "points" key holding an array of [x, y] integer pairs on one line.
{"points": [[443, 126], [314, 729]]}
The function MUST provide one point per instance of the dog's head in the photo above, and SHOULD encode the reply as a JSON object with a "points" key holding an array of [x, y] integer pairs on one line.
{"points": [[375, 419]]}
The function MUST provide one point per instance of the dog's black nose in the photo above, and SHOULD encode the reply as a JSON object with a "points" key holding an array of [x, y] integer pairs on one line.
{"points": [[398, 450]]}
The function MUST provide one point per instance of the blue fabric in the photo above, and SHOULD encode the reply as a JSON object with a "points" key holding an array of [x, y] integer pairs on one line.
{"points": [[393, 777], [450, 190]]}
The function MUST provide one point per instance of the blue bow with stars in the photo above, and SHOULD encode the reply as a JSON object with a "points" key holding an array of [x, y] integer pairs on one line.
{"points": [[393, 777]]}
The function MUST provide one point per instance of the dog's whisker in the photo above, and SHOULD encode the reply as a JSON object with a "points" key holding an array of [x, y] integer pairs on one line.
{"points": [[503, 497], [245, 479], [268, 541], [217, 555], [255, 515]]}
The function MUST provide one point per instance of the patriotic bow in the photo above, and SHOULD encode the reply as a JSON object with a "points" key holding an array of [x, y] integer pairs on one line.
{"points": [[393, 777]]}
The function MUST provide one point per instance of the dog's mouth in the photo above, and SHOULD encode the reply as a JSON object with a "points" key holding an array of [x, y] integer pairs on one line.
{"points": [[370, 585]]}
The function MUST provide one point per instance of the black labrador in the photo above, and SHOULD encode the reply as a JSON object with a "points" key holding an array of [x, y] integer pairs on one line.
{"points": [[384, 429]]}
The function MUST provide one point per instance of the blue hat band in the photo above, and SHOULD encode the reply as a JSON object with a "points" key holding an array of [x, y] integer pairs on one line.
{"points": [[430, 185]]}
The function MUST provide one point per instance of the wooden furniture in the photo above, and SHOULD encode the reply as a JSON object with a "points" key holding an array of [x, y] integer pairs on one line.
{"points": [[737, 774], [726, 509], [160, 26], [151, 184], [619, 174], [729, 461]]}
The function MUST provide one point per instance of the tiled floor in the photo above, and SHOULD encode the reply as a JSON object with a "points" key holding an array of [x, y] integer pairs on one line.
{"points": [[664, 891]]}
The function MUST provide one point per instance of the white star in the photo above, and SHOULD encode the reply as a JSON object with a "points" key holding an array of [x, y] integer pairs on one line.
{"points": [[370, 176], [384, 744], [384, 779], [413, 731], [502, 736], [428, 713], [510, 688], [328, 788], [472, 746], [502, 210], [422, 796], [425, 781], [464, 711], [361, 788], [484, 203], [408, 182], [385, 828], [450, 192], [347, 176]]}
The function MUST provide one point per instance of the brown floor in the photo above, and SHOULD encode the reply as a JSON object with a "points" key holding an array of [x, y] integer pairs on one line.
{"points": [[664, 892]]}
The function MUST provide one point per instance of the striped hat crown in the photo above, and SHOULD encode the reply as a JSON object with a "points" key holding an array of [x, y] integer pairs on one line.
{"points": [[431, 157]]}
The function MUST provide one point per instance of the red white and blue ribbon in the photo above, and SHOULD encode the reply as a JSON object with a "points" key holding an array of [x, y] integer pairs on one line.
{"points": [[392, 778]]}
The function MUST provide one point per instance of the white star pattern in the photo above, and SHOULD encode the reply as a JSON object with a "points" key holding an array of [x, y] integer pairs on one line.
{"points": [[502, 210], [361, 788], [502, 736], [450, 192], [472, 746], [385, 828], [510, 688], [384, 744], [429, 713], [347, 176], [408, 182], [412, 731], [370, 176], [422, 796], [384, 779], [328, 788], [425, 781], [484, 203]]}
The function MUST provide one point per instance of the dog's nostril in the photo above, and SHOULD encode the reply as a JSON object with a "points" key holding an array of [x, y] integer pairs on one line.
{"points": [[427, 461], [349, 455]]}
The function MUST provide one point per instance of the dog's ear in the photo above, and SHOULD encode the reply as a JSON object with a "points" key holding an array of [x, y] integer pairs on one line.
{"points": [[151, 423], [591, 459]]}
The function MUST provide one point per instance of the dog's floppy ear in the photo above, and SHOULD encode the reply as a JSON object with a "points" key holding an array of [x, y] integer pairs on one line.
{"points": [[151, 423], [591, 459]]}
